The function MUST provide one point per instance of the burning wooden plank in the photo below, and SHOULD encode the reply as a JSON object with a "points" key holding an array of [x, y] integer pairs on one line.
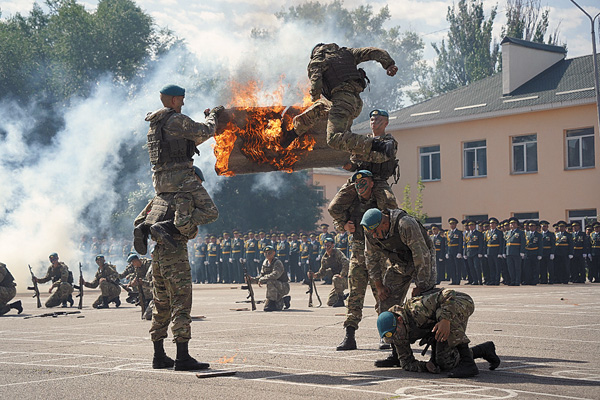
{"points": [[248, 142]]}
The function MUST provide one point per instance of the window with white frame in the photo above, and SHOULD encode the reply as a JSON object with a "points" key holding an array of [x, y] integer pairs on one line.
{"points": [[524, 154], [580, 148], [474, 159], [430, 163], [585, 217]]}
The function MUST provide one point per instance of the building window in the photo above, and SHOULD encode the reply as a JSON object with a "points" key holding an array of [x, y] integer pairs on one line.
{"points": [[433, 220], [580, 148], [430, 163], [524, 154], [477, 218], [527, 215], [585, 217], [475, 159], [320, 191]]}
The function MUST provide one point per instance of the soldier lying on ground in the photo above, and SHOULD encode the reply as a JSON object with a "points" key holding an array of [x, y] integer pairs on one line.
{"points": [[274, 276], [8, 290], [439, 318], [335, 263]]}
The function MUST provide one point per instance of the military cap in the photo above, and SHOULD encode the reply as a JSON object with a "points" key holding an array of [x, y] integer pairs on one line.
{"points": [[267, 248], [533, 222], [173, 90], [544, 222], [329, 240], [236, 232], [304, 235], [131, 257], [452, 221], [250, 233], [575, 223], [493, 219], [555, 225], [377, 112], [595, 224], [513, 219], [386, 324], [484, 223], [470, 222], [324, 225], [561, 223], [261, 232], [312, 235], [53, 255], [371, 219], [213, 237], [293, 234], [225, 233], [464, 221], [363, 173], [99, 256], [199, 173]]}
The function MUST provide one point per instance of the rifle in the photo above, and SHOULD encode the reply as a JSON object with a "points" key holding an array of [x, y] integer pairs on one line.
{"points": [[53, 314], [249, 287], [80, 295], [312, 287], [34, 288]]}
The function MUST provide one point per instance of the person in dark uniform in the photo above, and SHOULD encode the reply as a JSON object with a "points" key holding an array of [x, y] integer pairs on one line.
{"points": [[282, 252], [203, 248], [213, 251], [341, 242], [580, 252], [305, 256], [251, 256], [439, 241], [547, 261], [474, 248], [515, 251], [225, 259], [563, 253], [594, 273], [454, 241], [295, 267], [533, 255], [263, 241], [494, 243], [237, 250]]}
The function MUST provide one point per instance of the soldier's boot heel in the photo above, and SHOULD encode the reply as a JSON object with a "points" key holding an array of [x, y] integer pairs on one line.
{"points": [[160, 359], [466, 367], [140, 239], [163, 232], [339, 302], [391, 361], [487, 351], [349, 342], [286, 302], [104, 303], [117, 302], [17, 305], [185, 362]]}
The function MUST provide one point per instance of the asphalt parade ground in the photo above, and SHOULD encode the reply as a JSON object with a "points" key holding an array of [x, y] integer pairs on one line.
{"points": [[548, 338]]}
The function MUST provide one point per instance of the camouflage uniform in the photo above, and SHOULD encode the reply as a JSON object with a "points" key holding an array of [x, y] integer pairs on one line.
{"points": [[411, 253], [277, 281], [8, 288], [141, 273], [344, 96], [172, 292], [193, 205], [419, 316], [335, 264], [109, 287], [60, 280]]}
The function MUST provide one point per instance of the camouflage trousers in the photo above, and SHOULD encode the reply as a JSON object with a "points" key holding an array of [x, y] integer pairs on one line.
{"points": [[339, 285], [398, 284], [61, 294], [6, 295], [109, 290], [276, 290], [358, 280], [172, 293], [193, 205]]}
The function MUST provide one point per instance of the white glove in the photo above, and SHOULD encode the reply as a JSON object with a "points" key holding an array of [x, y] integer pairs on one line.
{"points": [[231, 260], [522, 255], [318, 258], [503, 255], [299, 264], [539, 257], [590, 257], [308, 261], [205, 262], [485, 255], [459, 255], [500, 255], [570, 256], [256, 260], [552, 256], [480, 255], [220, 260], [447, 257], [440, 259], [585, 256]]}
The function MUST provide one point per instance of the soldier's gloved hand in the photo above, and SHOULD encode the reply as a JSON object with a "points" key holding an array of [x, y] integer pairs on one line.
{"points": [[459, 255], [217, 111], [480, 255], [205, 262], [308, 261], [256, 260], [522, 255], [570, 256], [440, 259], [231, 260], [447, 257], [220, 260], [590, 257], [485, 255], [539, 257], [299, 264], [318, 258], [503, 255], [585, 256], [499, 255], [552, 256]]}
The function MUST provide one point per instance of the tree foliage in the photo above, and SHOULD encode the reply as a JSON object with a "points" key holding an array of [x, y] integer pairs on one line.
{"points": [[528, 21], [363, 27], [415, 209]]}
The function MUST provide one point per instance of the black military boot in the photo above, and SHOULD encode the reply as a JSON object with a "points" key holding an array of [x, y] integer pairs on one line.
{"points": [[140, 238], [391, 361], [287, 138], [104, 302], [117, 302], [185, 362], [385, 147], [164, 231], [64, 304], [487, 351], [383, 345], [349, 342], [286, 302], [339, 302], [70, 301], [160, 359], [466, 367], [17, 306], [270, 306]]}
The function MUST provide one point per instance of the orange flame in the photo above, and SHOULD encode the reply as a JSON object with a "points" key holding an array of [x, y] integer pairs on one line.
{"points": [[227, 360], [262, 129]]}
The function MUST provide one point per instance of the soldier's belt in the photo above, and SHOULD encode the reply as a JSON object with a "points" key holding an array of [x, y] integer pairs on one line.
{"points": [[563, 244], [547, 247], [472, 247], [577, 248], [236, 251], [493, 245], [226, 252], [250, 251], [452, 245], [595, 247], [531, 248], [303, 257], [513, 244]]}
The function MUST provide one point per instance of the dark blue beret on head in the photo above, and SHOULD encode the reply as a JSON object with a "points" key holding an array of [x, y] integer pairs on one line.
{"points": [[173, 90]]}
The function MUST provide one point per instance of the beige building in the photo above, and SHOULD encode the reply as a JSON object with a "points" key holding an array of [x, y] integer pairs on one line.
{"points": [[521, 143]]}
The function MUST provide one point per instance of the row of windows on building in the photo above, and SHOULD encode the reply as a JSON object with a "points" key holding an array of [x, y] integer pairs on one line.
{"points": [[579, 145]]}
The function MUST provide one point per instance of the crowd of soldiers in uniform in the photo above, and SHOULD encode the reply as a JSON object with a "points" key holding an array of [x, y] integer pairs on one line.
{"points": [[516, 253]]}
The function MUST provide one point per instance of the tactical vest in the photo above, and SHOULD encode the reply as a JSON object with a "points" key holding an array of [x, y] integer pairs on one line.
{"points": [[161, 209], [268, 268], [394, 248], [341, 68], [8, 278], [331, 262], [379, 170], [57, 273], [165, 149]]}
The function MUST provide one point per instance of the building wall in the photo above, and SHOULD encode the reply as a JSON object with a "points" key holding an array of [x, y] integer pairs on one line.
{"points": [[551, 191], [331, 184]]}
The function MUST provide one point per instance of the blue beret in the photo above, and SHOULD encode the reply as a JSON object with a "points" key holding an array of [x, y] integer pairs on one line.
{"points": [[382, 113], [371, 219], [99, 256], [198, 172], [173, 90], [132, 257], [53, 255], [386, 324], [361, 174]]}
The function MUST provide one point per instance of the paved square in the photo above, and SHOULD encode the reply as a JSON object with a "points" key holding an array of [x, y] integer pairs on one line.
{"points": [[548, 338]]}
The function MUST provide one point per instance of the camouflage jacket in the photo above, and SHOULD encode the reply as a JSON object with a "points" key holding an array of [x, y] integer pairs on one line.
{"points": [[420, 314], [337, 263], [408, 247], [272, 272], [6, 278], [356, 160], [59, 274], [182, 126], [108, 272], [319, 64]]}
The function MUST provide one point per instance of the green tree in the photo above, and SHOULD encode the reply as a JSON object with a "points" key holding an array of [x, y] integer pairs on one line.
{"points": [[525, 19], [415, 209]]}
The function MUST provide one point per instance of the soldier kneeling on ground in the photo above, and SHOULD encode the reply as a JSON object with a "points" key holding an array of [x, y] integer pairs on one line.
{"points": [[107, 278], [334, 262], [274, 276], [439, 319], [8, 290]]}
